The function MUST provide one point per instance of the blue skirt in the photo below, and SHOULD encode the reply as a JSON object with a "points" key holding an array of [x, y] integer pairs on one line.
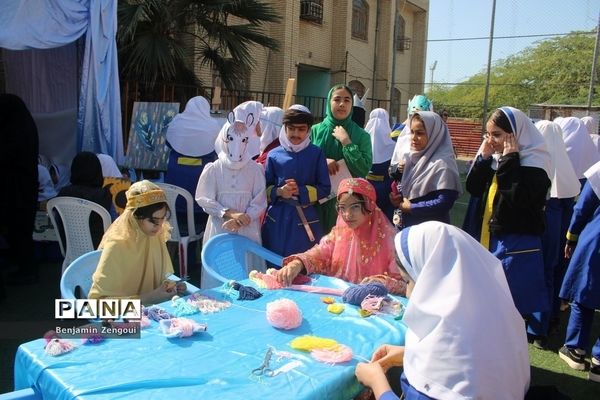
{"points": [[523, 262]]}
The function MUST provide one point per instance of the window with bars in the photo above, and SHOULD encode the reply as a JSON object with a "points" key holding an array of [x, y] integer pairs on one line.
{"points": [[312, 10], [360, 19], [402, 42]]}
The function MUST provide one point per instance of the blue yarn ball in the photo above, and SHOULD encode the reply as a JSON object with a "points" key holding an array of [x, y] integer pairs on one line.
{"points": [[356, 294]]}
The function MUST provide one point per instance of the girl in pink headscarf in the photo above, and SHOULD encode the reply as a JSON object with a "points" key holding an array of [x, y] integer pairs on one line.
{"points": [[359, 248]]}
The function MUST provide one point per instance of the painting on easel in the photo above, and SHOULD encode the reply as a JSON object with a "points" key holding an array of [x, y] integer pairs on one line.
{"points": [[146, 147]]}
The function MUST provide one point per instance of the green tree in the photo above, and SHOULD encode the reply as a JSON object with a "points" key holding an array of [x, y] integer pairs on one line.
{"points": [[552, 71], [154, 38]]}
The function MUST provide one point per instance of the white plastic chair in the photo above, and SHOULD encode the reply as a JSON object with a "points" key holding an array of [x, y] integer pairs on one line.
{"points": [[172, 192], [75, 214]]}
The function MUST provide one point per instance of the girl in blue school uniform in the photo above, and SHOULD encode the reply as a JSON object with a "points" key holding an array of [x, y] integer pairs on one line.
{"points": [[191, 137], [297, 176], [513, 186], [382, 146], [430, 183], [558, 210], [581, 285]]}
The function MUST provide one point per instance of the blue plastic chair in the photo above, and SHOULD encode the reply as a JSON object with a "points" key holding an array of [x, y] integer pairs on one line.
{"points": [[23, 394], [79, 274], [224, 256]]}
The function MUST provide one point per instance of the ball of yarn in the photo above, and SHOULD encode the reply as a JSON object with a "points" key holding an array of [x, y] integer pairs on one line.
{"points": [[356, 294], [284, 314], [335, 355]]}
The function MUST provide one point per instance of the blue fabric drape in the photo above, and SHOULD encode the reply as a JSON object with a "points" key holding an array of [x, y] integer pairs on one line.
{"points": [[32, 24]]}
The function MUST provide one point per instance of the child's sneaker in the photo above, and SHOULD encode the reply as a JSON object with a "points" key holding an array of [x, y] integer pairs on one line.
{"points": [[594, 374], [572, 358]]}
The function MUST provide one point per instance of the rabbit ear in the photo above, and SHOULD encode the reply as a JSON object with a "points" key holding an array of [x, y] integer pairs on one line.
{"points": [[249, 119], [231, 117]]}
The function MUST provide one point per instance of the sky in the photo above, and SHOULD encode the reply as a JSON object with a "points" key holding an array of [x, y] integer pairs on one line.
{"points": [[456, 19]]}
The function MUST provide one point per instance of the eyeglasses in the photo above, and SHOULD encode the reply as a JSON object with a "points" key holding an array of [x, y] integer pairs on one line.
{"points": [[496, 137], [353, 208]]}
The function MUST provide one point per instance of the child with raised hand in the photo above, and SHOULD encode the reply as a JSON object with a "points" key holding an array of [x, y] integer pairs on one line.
{"points": [[297, 176]]}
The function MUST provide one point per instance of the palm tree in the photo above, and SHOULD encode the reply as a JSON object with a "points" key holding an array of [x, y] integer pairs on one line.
{"points": [[152, 37]]}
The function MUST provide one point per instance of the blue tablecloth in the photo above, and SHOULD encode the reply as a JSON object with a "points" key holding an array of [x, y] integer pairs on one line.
{"points": [[216, 364]]}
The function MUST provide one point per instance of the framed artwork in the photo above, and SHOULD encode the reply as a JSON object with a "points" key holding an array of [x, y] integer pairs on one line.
{"points": [[147, 147]]}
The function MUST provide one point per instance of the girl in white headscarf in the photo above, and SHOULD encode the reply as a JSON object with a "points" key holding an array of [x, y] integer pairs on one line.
{"points": [[458, 295], [513, 189], [231, 190], [592, 126], [558, 210], [430, 181], [579, 144], [191, 136], [270, 123], [382, 146], [581, 285]]}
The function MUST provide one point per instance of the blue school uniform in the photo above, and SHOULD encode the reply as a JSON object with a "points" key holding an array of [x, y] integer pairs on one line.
{"points": [[184, 171], [582, 279], [283, 231], [434, 206], [581, 285], [381, 181]]}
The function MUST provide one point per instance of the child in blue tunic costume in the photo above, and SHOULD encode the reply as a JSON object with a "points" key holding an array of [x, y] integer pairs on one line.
{"points": [[297, 176], [581, 285]]}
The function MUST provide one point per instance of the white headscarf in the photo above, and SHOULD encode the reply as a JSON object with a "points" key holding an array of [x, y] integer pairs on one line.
{"points": [[46, 189], [242, 112], [580, 147], [533, 151], [283, 139], [109, 166], [270, 124], [593, 177], [591, 125], [465, 337], [193, 132], [433, 168], [564, 180], [233, 142], [379, 128]]}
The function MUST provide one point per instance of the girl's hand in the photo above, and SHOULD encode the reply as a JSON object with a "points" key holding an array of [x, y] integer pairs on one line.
{"points": [[510, 145], [286, 275], [181, 287], [289, 189], [341, 135], [243, 219], [395, 199], [388, 356], [486, 148], [231, 225], [373, 376], [405, 206], [332, 166]]}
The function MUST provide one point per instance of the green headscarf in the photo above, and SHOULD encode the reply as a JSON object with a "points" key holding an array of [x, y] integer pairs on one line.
{"points": [[329, 120], [321, 134]]}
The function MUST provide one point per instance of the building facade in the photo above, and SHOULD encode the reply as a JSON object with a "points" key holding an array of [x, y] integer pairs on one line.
{"points": [[377, 47]]}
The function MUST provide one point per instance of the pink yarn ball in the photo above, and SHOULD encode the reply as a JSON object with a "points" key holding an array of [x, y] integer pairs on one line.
{"points": [[284, 314]]}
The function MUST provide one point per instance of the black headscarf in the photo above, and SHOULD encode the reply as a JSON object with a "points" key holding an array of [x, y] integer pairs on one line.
{"points": [[86, 170]]}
